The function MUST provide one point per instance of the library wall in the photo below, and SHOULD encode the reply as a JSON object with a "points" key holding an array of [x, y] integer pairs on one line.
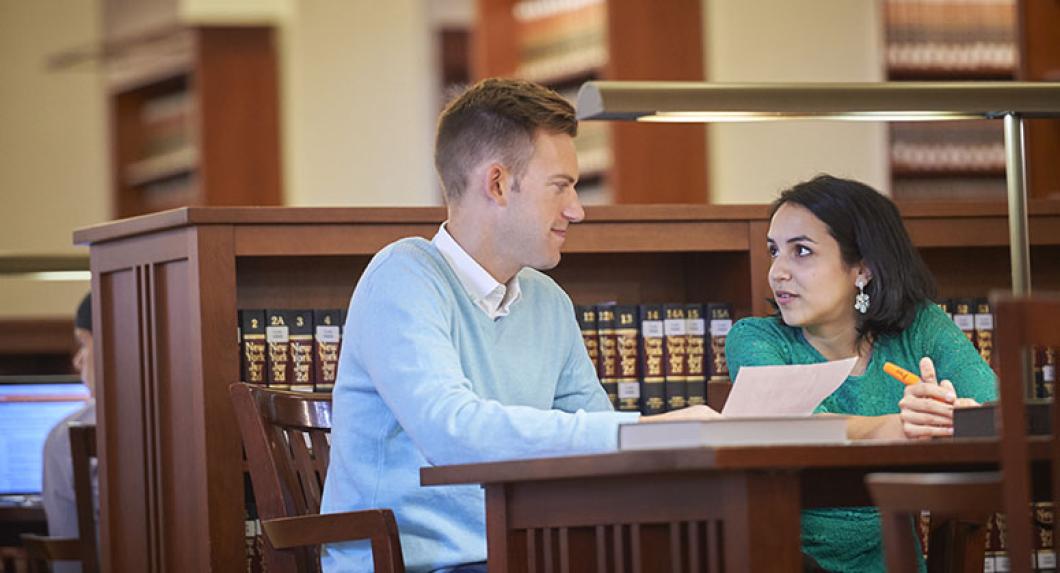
{"points": [[359, 104], [53, 166], [781, 41]]}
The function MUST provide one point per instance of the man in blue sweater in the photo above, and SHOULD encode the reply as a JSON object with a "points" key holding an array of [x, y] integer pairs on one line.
{"points": [[458, 350]]}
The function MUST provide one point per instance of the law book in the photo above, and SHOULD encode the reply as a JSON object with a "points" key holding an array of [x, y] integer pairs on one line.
{"points": [[301, 350], [587, 323], [720, 316], [1046, 363], [608, 342], [1044, 552], [676, 332], [946, 306], [964, 318], [626, 339], [696, 362], [983, 320], [652, 358], [278, 349], [252, 346], [327, 341], [767, 430]]}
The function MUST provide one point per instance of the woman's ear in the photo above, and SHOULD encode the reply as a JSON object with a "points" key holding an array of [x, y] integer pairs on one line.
{"points": [[864, 272]]}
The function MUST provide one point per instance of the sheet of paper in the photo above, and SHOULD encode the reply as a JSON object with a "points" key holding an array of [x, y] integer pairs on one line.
{"points": [[788, 390]]}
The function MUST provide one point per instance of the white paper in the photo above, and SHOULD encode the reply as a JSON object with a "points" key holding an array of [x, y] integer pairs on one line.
{"points": [[788, 390]]}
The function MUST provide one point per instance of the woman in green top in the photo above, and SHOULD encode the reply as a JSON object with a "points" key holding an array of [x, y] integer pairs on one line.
{"points": [[848, 282]]}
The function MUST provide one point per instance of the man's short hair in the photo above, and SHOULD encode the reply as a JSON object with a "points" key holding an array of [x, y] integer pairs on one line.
{"points": [[496, 119]]}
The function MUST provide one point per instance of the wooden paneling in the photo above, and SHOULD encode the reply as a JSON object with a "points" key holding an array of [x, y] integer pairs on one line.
{"points": [[1039, 48], [238, 95]]}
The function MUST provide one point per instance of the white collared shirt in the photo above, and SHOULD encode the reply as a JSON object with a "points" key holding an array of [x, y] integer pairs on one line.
{"points": [[494, 298]]}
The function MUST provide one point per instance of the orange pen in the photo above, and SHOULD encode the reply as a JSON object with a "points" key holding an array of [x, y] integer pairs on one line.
{"points": [[900, 374]]}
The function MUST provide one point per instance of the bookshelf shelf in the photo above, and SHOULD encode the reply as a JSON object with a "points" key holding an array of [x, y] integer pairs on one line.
{"points": [[970, 40], [165, 165], [169, 284], [182, 132], [565, 42]]}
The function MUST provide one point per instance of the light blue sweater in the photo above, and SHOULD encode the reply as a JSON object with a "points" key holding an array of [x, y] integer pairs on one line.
{"points": [[425, 377]]}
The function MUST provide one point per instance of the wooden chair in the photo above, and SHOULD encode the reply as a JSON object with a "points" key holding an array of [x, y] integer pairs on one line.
{"points": [[285, 435], [42, 549], [1019, 323]]}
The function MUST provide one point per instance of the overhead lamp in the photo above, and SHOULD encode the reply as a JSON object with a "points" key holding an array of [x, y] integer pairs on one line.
{"points": [[699, 102]]}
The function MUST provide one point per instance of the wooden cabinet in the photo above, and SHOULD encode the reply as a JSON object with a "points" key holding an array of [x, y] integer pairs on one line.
{"points": [[167, 287], [194, 117], [562, 44]]}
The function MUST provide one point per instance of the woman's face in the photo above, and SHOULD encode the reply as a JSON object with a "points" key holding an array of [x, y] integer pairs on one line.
{"points": [[810, 282]]}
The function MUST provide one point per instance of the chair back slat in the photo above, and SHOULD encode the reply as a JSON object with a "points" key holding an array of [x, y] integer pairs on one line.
{"points": [[281, 433], [82, 453], [1020, 324]]}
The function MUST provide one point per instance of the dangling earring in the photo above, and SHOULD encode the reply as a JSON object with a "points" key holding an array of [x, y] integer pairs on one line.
{"points": [[861, 301]]}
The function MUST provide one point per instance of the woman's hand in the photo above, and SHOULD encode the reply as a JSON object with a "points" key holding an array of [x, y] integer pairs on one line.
{"points": [[926, 410]]}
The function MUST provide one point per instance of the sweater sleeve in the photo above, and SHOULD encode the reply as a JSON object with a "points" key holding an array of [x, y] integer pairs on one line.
{"points": [[955, 358], [753, 342], [403, 339]]}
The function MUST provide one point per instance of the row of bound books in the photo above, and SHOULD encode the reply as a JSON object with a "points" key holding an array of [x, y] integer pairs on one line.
{"points": [[291, 349], [653, 358], [996, 557]]}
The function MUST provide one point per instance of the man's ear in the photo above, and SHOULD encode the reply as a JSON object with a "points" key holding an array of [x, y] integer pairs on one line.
{"points": [[498, 184]]}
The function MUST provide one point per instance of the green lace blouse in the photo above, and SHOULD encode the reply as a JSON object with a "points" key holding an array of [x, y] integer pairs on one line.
{"points": [[848, 539]]}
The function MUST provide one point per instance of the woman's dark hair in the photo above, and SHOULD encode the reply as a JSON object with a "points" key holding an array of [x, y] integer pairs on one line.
{"points": [[869, 228]]}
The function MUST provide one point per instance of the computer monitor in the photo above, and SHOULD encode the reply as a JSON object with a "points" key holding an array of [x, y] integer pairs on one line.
{"points": [[30, 406]]}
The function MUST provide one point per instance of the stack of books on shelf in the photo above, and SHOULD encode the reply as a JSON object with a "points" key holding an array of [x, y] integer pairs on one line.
{"points": [[291, 349], [653, 358], [929, 37], [561, 40], [167, 155], [967, 147]]}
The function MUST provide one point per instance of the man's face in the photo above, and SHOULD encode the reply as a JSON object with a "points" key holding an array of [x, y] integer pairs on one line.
{"points": [[83, 361], [543, 204]]}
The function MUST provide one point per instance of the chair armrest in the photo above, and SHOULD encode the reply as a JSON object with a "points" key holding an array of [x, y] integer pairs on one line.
{"points": [[52, 548], [288, 532], [949, 492]]}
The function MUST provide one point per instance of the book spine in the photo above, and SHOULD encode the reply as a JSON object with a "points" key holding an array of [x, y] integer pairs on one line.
{"points": [[590, 335], [652, 356], [696, 327], [278, 345], [676, 334], [327, 340], [720, 316], [1047, 359], [990, 547], [946, 306], [626, 334], [964, 319], [983, 320], [608, 372], [301, 349], [252, 346], [1044, 554]]}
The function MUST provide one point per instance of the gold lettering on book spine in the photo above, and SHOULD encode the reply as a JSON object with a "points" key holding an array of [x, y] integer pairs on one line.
{"points": [[328, 355], [653, 358], [592, 345], [278, 361], [302, 360], [254, 355]]}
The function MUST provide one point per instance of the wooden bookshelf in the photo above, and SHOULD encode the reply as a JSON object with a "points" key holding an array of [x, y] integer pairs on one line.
{"points": [[962, 40], [636, 41], [194, 115], [167, 287]]}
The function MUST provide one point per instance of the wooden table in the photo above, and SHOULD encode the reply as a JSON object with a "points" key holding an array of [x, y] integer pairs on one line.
{"points": [[708, 509]]}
